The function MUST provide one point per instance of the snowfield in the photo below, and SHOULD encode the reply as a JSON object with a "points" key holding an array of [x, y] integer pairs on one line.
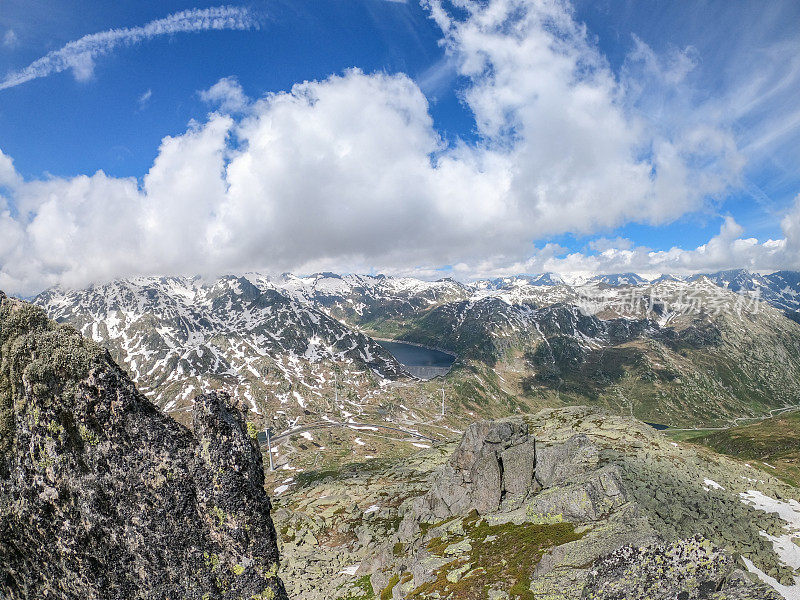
{"points": [[786, 549]]}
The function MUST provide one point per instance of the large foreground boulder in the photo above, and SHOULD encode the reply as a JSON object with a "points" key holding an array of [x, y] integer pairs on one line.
{"points": [[493, 464], [103, 496], [498, 465]]}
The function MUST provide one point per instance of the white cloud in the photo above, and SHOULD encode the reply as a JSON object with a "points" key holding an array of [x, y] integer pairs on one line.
{"points": [[10, 39], [8, 174], [79, 56], [144, 99], [227, 95], [349, 173], [724, 251]]}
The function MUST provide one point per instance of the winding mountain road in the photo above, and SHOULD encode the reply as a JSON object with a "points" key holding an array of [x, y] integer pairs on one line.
{"points": [[277, 439]]}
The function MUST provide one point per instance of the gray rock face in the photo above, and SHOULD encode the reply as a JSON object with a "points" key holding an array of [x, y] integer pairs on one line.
{"points": [[493, 465], [499, 466], [592, 498], [557, 463], [604, 517], [103, 496]]}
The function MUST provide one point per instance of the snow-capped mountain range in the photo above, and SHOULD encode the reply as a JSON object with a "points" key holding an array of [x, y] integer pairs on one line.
{"points": [[781, 289], [289, 344], [179, 336]]}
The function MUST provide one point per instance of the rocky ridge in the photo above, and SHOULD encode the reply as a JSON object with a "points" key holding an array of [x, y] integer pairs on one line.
{"points": [[103, 496]]}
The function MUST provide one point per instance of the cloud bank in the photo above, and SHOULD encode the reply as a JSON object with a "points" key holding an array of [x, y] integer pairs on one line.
{"points": [[726, 250], [80, 55], [349, 173]]}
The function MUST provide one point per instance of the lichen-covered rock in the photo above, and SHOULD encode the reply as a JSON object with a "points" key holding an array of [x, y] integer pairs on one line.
{"points": [[607, 482], [620, 485], [595, 496], [103, 496], [691, 569], [557, 463]]}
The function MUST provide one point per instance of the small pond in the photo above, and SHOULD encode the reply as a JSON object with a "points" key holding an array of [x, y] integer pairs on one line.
{"points": [[658, 426]]}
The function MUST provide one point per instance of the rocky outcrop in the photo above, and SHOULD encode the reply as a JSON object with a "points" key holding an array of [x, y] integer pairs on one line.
{"points": [[605, 517], [498, 466], [586, 508], [493, 464], [103, 496]]}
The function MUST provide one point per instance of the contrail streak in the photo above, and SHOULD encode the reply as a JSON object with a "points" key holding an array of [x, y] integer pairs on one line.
{"points": [[80, 54]]}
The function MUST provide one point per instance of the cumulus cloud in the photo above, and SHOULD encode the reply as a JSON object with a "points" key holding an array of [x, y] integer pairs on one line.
{"points": [[80, 55], [9, 177], [728, 249], [226, 95], [349, 173]]}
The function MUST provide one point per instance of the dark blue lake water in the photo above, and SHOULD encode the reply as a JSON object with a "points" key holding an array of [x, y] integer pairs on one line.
{"points": [[415, 356], [658, 426]]}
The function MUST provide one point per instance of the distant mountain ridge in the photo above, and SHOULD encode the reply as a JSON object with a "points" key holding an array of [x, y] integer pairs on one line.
{"points": [[178, 336], [667, 347], [780, 289]]}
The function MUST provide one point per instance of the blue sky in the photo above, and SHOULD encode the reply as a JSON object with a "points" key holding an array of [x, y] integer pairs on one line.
{"points": [[695, 105], [99, 124]]}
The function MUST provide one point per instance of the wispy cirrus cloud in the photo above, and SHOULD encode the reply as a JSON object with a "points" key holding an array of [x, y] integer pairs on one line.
{"points": [[79, 55], [144, 99]]}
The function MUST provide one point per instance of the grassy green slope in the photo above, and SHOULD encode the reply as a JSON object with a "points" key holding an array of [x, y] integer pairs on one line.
{"points": [[774, 442]]}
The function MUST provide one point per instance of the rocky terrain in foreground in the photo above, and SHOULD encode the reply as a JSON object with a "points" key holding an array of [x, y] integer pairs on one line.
{"points": [[564, 504], [102, 496]]}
